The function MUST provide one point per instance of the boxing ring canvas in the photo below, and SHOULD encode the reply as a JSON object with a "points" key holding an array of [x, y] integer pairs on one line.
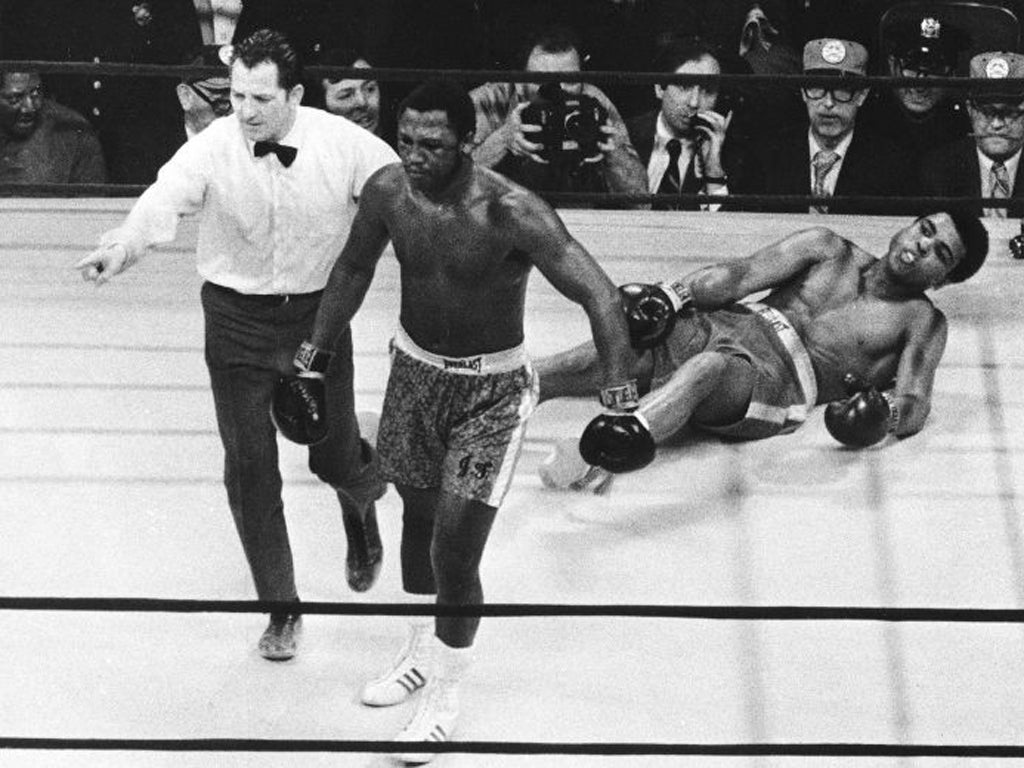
{"points": [[110, 486]]}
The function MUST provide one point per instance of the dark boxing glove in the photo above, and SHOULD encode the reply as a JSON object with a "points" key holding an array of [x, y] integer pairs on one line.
{"points": [[651, 310], [299, 405], [864, 418], [618, 442]]}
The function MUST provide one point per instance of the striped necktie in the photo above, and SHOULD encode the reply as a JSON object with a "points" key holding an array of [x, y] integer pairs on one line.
{"points": [[823, 162], [1000, 187]]}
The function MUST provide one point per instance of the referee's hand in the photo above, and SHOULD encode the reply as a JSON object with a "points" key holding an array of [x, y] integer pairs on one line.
{"points": [[103, 263]]}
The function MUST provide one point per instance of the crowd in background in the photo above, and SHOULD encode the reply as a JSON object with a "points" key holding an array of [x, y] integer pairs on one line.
{"points": [[835, 141]]}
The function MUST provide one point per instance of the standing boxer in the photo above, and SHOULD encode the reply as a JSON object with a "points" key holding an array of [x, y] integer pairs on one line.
{"points": [[461, 386], [276, 185], [837, 318]]}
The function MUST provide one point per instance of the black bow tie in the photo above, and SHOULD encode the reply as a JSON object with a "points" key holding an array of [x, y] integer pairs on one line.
{"points": [[284, 153]]}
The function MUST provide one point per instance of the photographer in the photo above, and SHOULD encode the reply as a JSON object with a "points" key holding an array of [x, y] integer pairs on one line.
{"points": [[685, 143], [588, 146]]}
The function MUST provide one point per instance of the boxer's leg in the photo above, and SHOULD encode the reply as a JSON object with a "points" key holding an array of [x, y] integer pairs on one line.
{"points": [[577, 372], [709, 388]]}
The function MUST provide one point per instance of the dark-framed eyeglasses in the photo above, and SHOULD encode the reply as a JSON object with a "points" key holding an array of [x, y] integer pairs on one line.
{"points": [[219, 101], [839, 95]]}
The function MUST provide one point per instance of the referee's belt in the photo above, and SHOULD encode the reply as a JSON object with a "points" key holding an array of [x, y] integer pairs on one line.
{"points": [[265, 299]]}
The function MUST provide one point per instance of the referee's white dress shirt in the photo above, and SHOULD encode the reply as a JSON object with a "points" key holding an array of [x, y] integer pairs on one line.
{"points": [[263, 228]]}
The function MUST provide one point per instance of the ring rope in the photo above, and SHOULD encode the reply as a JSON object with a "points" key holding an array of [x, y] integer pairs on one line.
{"points": [[795, 80], [752, 749], [519, 610], [911, 205]]}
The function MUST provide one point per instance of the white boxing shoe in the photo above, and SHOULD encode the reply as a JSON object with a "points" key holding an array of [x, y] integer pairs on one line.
{"points": [[434, 720], [409, 672], [565, 470], [438, 710]]}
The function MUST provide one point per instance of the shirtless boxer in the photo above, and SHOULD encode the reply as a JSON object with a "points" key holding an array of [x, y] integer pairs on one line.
{"points": [[461, 385], [837, 325]]}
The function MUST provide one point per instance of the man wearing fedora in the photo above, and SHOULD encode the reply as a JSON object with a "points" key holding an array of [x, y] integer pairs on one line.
{"points": [[831, 154], [987, 163]]}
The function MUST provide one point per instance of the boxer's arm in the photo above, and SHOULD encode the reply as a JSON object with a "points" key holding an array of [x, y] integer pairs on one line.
{"points": [[352, 273], [915, 375], [718, 285], [570, 268]]}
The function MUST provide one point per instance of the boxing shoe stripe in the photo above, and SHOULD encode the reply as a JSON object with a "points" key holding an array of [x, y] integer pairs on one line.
{"points": [[411, 681]]}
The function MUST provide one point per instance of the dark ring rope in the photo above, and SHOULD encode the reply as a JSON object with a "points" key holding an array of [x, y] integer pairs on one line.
{"points": [[897, 205], [505, 75], [510, 610], [788, 749]]}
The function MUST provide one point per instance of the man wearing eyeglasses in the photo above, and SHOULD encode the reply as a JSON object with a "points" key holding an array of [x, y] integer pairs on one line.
{"points": [[204, 98], [831, 155], [42, 141], [987, 163]]}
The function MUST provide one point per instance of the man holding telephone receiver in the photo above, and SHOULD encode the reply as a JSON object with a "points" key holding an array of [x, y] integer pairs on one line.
{"points": [[683, 144]]}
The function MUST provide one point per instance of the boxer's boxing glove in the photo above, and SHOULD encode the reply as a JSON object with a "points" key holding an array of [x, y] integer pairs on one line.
{"points": [[864, 418], [617, 442], [299, 404], [651, 310]]}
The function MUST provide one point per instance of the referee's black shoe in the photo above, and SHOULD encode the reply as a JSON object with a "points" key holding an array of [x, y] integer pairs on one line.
{"points": [[365, 551]]}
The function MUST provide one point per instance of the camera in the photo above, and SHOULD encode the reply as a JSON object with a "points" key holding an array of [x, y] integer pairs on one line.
{"points": [[570, 124]]}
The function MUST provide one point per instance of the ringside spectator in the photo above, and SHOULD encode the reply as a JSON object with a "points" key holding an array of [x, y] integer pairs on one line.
{"points": [[685, 144], [510, 143], [924, 116], [42, 141], [986, 164], [204, 98], [832, 155], [361, 101]]}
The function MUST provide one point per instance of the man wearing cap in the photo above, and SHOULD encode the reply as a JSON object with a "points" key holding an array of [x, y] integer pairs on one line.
{"points": [[987, 163], [924, 116], [832, 155], [204, 98]]}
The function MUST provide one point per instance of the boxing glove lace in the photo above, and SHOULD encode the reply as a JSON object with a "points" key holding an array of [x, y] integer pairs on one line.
{"points": [[651, 310], [298, 407], [864, 418]]}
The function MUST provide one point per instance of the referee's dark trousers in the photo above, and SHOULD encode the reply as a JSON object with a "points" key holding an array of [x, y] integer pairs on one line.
{"points": [[250, 342]]}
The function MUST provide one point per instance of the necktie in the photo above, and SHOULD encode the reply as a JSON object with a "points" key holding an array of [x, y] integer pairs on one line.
{"points": [[823, 162], [284, 153], [1000, 187], [670, 180]]}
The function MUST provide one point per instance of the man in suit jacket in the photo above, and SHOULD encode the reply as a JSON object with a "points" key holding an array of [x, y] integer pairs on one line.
{"points": [[684, 144], [832, 156], [987, 163]]}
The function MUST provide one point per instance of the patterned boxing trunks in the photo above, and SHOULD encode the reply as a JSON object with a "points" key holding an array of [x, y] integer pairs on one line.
{"points": [[785, 388], [455, 423]]}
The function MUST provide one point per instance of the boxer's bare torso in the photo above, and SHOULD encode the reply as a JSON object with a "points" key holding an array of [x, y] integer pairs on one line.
{"points": [[855, 313], [464, 261], [848, 328]]}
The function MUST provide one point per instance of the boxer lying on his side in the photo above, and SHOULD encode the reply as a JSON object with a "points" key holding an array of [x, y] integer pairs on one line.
{"points": [[837, 326]]}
